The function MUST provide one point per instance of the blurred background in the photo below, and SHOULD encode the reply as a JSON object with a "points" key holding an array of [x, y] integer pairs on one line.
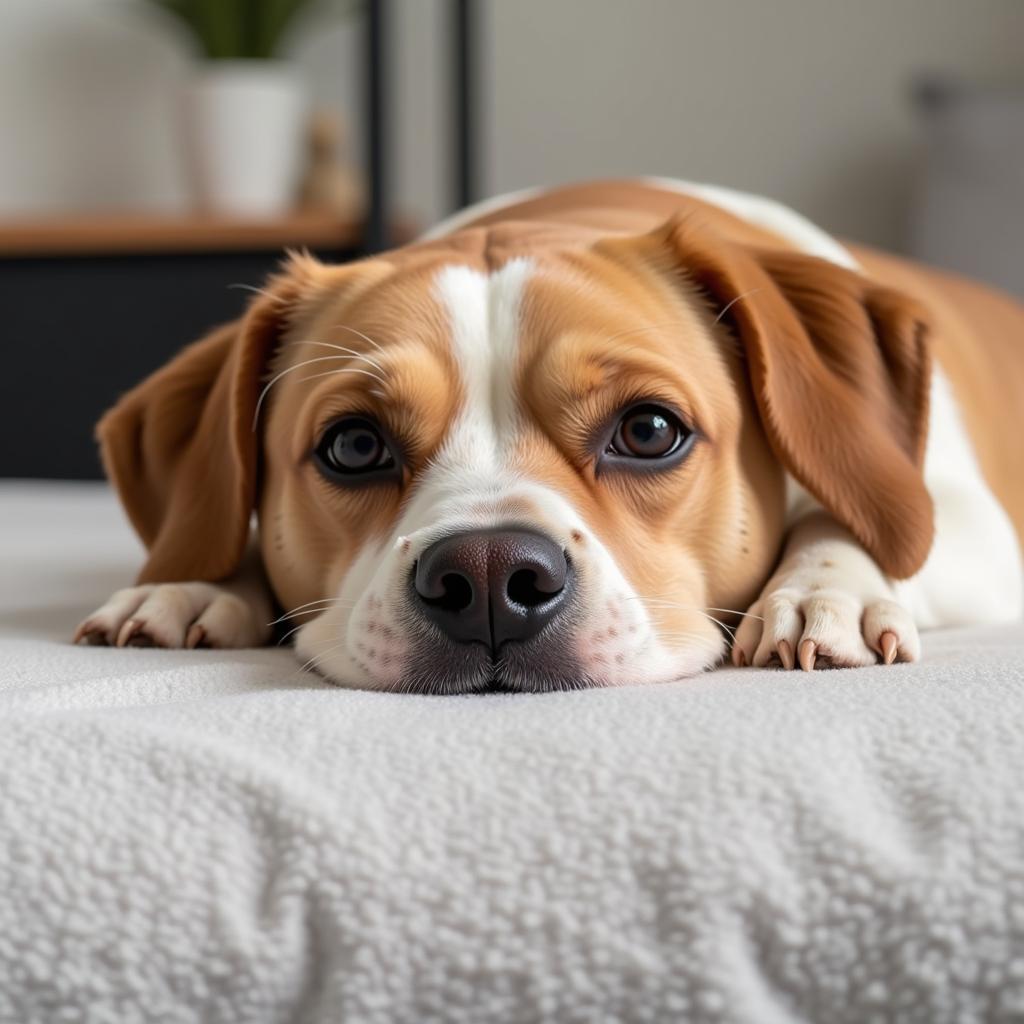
{"points": [[155, 155]]}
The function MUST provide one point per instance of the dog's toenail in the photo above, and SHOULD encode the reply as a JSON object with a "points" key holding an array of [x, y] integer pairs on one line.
{"points": [[128, 630], [889, 645], [786, 654], [807, 651]]}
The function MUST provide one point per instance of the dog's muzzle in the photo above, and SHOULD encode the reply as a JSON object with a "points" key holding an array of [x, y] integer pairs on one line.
{"points": [[492, 586]]}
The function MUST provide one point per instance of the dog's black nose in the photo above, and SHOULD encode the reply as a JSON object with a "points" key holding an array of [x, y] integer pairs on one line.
{"points": [[492, 585]]}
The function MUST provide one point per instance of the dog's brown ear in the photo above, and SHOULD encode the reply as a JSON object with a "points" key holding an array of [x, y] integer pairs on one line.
{"points": [[181, 447], [840, 369]]}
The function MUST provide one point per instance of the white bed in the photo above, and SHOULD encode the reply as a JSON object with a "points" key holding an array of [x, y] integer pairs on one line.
{"points": [[212, 836]]}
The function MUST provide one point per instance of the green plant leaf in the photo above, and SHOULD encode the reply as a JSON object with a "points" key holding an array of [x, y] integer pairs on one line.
{"points": [[274, 17], [227, 29]]}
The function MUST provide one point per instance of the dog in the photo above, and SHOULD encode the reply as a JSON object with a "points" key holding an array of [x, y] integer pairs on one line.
{"points": [[587, 436]]}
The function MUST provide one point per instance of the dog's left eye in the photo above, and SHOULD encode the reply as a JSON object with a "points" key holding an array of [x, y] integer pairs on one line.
{"points": [[648, 432], [353, 446]]}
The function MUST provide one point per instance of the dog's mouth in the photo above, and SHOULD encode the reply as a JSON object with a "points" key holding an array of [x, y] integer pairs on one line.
{"points": [[495, 684]]}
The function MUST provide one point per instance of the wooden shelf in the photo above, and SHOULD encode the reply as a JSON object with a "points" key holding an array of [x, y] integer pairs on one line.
{"points": [[156, 233]]}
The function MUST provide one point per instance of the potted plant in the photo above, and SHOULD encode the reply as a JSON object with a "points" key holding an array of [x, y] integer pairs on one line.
{"points": [[245, 110]]}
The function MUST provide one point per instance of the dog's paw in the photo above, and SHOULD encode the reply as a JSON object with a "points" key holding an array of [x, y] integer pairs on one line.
{"points": [[812, 626], [173, 615]]}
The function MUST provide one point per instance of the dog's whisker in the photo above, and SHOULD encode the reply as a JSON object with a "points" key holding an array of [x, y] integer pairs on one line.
{"points": [[280, 643], [734, 611], [326, 359], [334, 373], [238, 285], [655, 602], [307, 362], [313, 663], [732, 302], [719, 622], [311, 611], [325, 601], [365, 337], [341, 348], [295, 629], [700, 611], [664, 603]]}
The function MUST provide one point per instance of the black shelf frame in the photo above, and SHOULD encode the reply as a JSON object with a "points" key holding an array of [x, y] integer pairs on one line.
{"points": [[464, 30]]}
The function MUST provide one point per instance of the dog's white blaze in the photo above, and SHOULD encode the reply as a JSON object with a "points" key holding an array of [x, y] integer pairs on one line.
{"points": [[483, 311], [472, 468], [465, 488]]}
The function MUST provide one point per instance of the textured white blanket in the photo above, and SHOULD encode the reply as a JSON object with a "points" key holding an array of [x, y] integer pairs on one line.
{"points": [[204, 836]]}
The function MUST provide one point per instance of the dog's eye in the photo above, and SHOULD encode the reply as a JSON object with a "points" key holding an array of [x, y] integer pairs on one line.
{"points": [[648, 432], [354, 445]]}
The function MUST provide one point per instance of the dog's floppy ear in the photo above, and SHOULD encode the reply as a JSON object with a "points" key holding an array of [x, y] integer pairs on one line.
{"points": [[181, 448], [840, 369]]}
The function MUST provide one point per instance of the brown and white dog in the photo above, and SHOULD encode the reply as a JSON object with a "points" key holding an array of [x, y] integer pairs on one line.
{"points": [[555, 442]]}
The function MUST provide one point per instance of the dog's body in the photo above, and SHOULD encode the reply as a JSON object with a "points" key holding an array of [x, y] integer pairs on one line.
{"points": [[552, 443]]}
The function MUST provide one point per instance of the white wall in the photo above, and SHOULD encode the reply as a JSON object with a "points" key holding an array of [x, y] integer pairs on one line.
{"points": [[86, 108], [802, 99], [805, 100]]}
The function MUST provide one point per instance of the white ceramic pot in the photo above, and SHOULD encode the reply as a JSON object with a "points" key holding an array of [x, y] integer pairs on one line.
{"points": [[245, 124]]}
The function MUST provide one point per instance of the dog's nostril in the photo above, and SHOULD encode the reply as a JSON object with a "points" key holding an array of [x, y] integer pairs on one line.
{"points": [[457, 593], [523, 589], [490, 586]]}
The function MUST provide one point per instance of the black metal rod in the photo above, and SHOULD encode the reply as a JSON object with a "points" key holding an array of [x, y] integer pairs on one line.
{"points": [[464, 100], [376, 107]]}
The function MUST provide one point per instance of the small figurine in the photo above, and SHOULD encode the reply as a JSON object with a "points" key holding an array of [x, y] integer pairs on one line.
{"points": [[331, 184]]}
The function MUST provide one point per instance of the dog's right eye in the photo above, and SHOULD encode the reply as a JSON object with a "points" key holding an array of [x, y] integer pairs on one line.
{"points": [[353, 446]]}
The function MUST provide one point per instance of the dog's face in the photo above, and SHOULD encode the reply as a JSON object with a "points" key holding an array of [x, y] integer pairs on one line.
{"points": [[535, 476], [518, 466]]}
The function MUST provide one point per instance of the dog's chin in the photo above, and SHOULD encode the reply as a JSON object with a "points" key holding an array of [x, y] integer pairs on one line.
{"points": [[519, 671], [472, 669], [431, 663]]}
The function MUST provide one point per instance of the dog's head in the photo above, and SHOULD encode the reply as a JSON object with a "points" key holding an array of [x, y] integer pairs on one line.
{"points": [[496, 460]]}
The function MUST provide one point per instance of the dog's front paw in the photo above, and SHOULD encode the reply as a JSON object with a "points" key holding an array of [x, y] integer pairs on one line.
{"points": [[818, 626], [174, 615]]}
